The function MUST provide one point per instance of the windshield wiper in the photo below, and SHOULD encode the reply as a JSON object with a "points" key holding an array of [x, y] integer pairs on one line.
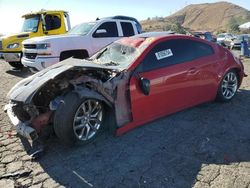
{"points": [[97, 56], [89, 59], [100, 53], [111, 63]]}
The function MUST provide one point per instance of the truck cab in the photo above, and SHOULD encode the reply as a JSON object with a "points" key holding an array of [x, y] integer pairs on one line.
{"points": [[42, 23], [82, 41]]}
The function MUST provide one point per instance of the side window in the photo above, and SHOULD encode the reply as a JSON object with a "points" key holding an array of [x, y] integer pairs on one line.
{"points": [[167, 53], [127, 29], [201, 49], [52, 22], [173, 52], [108, 29]]}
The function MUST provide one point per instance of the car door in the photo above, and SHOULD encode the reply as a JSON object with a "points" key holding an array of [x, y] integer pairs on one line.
{"points": [[127, 29], [53, 24], [105, 34], [204, 72], [172, 70]]}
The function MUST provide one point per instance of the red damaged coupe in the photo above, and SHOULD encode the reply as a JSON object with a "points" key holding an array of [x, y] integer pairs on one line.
{"points": [[129, 83]]}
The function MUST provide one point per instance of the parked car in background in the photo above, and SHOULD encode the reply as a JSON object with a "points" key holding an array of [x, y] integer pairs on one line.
{"points": [[205, 35], [236, 42], [223, 38], [82, 41], [128, 83], [41, 23]]}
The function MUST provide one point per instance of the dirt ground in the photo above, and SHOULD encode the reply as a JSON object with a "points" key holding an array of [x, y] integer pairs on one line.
{"points": [[205, 146]]}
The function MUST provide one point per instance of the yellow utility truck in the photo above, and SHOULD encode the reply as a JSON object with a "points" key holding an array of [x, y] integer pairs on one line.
{"points": [[41, 23]]}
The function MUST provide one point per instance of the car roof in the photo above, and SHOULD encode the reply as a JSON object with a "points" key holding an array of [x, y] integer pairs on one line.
{"points": [[42, 12], [154, 34], [151, 37], [201, 32]]}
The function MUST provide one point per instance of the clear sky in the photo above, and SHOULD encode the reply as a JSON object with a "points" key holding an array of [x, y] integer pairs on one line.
{"points": [[81, 11]]}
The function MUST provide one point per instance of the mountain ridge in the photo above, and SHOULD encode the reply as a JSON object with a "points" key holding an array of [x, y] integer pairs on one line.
{"points": [[207, 16]]}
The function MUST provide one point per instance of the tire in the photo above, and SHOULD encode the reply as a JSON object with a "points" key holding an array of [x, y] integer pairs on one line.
{"points": [[17, 65], [228, 87], [78, 120]]}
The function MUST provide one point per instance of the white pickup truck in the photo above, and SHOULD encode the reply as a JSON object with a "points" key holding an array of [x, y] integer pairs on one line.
{"points": [[82, 41]]}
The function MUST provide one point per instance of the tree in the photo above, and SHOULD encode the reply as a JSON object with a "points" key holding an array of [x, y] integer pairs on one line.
{"points": [[176, 27], [233, 26]]}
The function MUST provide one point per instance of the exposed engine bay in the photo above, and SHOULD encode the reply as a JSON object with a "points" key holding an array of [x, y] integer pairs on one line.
{"points": [[106, 85]]}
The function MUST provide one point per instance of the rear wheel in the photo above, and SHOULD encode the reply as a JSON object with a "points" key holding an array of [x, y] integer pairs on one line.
{"points": [[228, 87], [78, 120], [16, 64]]}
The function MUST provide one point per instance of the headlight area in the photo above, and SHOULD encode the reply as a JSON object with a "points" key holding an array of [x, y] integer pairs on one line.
{"points": [[28, 119], [13, 45], [43, 46], [29, 125], [43, 49]]}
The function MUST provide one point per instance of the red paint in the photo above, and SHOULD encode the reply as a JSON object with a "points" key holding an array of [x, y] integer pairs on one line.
{"points": [[40, 121], [134, 42], [177, 87]]}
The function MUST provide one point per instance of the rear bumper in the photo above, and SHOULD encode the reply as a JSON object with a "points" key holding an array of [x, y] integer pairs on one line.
{"points": [[11, 56], [22, 128], [39, 63]]}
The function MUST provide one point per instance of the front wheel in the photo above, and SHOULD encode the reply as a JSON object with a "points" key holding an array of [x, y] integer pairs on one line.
{"points": [[78, 120], [17, 65], [228, 87]]}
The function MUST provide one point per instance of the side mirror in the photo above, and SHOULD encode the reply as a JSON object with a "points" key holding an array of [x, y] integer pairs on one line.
{"points": [[144, 85], [101, 31]]}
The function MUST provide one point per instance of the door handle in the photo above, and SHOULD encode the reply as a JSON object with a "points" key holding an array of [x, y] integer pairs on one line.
{"points": [[192, 71]]}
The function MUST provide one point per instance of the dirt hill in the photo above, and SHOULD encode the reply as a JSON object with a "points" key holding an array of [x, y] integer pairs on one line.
{"points": [[208, 16]]}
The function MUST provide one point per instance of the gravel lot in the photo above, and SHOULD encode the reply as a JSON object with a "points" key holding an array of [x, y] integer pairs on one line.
{"points": [[205, 146]]}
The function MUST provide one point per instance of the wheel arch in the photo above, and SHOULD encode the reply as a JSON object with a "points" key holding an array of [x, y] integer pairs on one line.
{"points": [[87, 93], [110, 121], [78, 53]]}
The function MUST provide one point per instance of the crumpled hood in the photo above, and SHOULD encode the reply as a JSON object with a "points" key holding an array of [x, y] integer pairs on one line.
{"points": [[53, 38], [24, 90]]}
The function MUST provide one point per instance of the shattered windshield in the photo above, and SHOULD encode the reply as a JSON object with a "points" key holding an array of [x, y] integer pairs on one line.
{"points": [[82, 29], [31, 24], [116, 54]]}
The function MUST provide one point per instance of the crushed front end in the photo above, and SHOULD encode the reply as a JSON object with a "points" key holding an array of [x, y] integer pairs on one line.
{"points": [[34, 100]]}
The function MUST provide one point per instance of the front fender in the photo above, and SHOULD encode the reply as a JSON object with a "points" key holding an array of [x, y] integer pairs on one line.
{"points": [[83, 92]]}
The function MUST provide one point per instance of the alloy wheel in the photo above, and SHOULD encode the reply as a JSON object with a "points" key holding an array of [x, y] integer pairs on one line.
{"points": [[229, 85], [88, 119]]}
